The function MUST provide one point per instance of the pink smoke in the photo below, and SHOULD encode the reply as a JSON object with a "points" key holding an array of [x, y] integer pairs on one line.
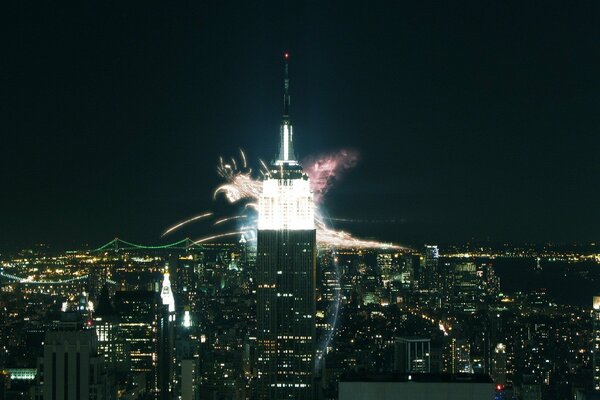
{"points": [[327, 168]]}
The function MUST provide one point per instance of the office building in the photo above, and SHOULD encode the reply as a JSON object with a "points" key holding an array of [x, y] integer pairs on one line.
{"points": [[286, 268], [596, 342], [71, 368], [412, 355], [139, 315]]}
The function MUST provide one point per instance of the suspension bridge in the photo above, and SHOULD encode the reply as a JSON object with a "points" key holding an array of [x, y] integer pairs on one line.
{"points": [[121, 245], [115, 245], [14, 278]]}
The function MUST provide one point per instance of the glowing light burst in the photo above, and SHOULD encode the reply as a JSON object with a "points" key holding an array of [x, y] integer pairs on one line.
{"points": [[240, 186], [240, 183], [325, 169]]}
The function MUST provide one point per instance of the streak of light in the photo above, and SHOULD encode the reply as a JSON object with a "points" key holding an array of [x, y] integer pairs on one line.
{"points": [[361, 221], [229, 219], [244, 158], [197, 217], [221, 235], [264, 165]]}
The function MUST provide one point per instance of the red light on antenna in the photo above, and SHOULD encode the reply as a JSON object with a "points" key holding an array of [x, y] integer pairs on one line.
{"points": [[286, 55]]}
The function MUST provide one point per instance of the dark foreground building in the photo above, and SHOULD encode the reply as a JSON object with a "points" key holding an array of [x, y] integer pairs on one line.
{"points": [[416, 387], [286, 267]]}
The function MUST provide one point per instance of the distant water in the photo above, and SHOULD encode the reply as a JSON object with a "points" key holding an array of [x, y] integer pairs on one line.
{"points": [[566, 283]]}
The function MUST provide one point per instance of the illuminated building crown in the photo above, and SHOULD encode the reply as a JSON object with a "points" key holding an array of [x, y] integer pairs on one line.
{"points": [[286, 201], [166, 293]]}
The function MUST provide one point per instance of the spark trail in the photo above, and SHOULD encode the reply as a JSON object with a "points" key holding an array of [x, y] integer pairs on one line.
{"points": [[179, 225], [229, 219], [208, 238]]}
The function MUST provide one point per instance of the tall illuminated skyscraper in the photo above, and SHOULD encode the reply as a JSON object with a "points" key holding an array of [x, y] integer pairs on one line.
{"points": [[166, 351], [596, 342], [429, 275], [286, 268]]}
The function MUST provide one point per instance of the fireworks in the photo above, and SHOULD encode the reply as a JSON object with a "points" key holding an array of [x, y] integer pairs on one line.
{"points": [[222, 220], [241, 186], [325, 169], [327, 237], [179, 225], [221, 235]]}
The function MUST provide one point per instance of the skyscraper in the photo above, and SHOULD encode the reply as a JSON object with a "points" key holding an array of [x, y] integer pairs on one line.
{"points": [[286, 268], [412, 355], [110, 340], [139, 314], [596, 342], [167, 339], [429, 275], [71, 367]]}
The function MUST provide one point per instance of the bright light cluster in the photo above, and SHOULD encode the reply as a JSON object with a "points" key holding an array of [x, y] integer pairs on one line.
{"points": [[166, 293], [286, 204]]}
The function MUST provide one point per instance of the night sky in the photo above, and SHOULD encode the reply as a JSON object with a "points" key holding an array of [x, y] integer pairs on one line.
{"points": [[472, 120]]}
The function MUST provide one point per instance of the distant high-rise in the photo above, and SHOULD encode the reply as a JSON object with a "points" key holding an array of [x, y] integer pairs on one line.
{"points": [[286, 268], [429, 274], [110, 341], [166, 351], [466, 287], [139, 317], [460, 357], [499, 359], [412, 355], [596, 342], [71, 368], [384, 266]]}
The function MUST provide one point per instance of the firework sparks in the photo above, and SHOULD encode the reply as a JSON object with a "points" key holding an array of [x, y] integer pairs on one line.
{"points": [[229, 219], [330, 238], [323, 172], [327, 168], [262, 163], [240, 185], [221, 235], [179, 225], [245, 164]]}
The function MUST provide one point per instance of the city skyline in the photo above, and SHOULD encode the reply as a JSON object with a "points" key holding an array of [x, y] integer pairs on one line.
{"points": [[296, 200], [120, 131]]}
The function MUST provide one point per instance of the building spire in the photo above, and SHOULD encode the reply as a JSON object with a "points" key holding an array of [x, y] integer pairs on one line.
{"points": [[286, 88], [166, 293], [286, 147]]}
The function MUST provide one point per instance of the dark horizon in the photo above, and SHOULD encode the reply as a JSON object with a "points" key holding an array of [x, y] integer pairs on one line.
{"points": [[471, 122]]}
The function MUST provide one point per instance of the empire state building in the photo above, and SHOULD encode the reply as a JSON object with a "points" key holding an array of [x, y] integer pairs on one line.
{"points": [[286, 269]]}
